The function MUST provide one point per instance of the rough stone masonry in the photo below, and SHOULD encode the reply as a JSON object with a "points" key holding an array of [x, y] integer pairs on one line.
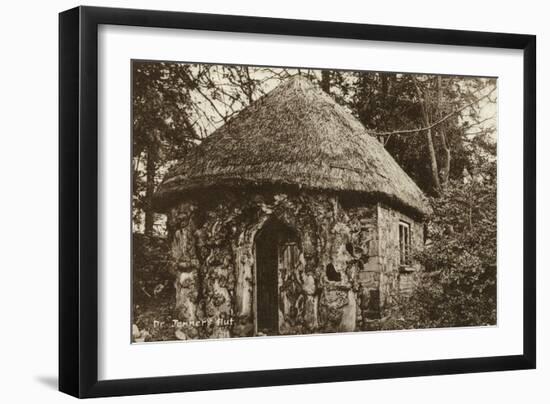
{"points": [[343, 275]]}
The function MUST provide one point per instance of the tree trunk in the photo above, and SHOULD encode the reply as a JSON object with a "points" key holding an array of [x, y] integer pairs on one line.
{"points": [[446, 162], [444, 174], [424, 105], [249, 90], [325, 81], [150, 189], [384, 79], [433, 161]]}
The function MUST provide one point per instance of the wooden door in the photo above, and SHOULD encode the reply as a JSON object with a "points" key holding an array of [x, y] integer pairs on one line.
{"points": [[267, 288]]}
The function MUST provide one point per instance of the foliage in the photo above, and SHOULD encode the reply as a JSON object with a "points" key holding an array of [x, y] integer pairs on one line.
{"points": [[392, 102], [458, 287], [174, 107], [153, 286], [161, 128]]}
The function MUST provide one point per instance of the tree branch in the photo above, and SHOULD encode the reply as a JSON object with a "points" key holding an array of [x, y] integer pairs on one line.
{"points": [[434, 124]]}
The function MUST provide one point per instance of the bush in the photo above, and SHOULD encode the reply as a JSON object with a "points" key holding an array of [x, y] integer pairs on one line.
{"points": [[458, 286], [153, 287]]}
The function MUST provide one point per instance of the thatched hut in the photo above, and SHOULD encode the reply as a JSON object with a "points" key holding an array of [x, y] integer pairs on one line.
{"points": [[289, 219]]}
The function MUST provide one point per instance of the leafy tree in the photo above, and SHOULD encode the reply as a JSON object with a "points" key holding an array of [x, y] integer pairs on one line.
{"points": [[162, 129], [423, 120], [458, 286], [175, 106]]}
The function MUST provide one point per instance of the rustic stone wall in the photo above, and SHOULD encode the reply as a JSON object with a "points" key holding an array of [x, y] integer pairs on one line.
{"points": [[396, 280], [344, 260]]}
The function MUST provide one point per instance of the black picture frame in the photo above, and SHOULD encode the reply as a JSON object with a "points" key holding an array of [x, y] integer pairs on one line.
{"points": [[78, 201]]}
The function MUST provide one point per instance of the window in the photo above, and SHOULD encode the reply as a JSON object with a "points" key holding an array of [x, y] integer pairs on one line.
{"points": [[404, 243]]}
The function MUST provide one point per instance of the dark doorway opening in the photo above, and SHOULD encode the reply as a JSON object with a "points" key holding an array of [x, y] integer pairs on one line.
{"points": [[271, 247]]}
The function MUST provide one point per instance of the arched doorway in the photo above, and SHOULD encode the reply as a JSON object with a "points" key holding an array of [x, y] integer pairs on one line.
{"points": [[276, 247]]}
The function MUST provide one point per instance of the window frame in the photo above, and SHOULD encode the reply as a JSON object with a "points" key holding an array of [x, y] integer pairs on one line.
{"points": [[405, 243]]}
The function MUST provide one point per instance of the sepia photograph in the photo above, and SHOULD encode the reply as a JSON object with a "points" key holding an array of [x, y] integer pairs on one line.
{"points": [[279, 201]]}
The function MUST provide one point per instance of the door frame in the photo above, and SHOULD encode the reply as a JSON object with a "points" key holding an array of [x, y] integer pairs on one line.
{"points": [[255, 289]]}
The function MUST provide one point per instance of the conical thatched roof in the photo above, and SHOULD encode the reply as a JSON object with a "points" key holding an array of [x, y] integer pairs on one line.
{"points": [[295, 135]]}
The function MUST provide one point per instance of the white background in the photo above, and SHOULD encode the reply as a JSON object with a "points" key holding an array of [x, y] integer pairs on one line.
{"points": [[28, 167]]}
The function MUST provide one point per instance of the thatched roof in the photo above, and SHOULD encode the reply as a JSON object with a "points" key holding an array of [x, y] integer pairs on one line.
{"points": [[296, 135]]}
